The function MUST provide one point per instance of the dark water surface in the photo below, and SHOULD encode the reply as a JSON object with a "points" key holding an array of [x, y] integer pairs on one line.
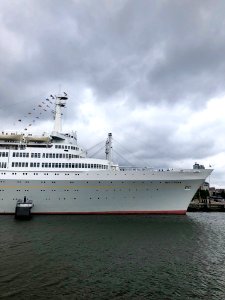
{"points": [[113, 257]]}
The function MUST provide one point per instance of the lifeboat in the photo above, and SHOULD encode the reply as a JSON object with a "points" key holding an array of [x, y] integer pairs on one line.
{"points": [[11, 136], [39, 139]]}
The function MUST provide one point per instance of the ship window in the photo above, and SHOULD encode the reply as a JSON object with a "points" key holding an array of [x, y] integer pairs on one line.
{"points": [[65, 147], [13, 164], [50, 155], [60, 155], [57, 155], [59, 165], [53, 155], [43, 155]]}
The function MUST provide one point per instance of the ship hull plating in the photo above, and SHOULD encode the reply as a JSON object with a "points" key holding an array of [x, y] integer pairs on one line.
{"points": [[168, 194]]}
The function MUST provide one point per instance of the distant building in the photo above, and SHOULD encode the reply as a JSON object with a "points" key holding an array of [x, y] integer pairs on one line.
{"points": [[216, 194], [212, 191]]}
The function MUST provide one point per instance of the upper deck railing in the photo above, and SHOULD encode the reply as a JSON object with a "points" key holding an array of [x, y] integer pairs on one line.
{"points": [[151, 169]]}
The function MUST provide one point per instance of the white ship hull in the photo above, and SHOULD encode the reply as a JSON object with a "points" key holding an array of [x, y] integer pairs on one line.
{"points": [[114, 192]]}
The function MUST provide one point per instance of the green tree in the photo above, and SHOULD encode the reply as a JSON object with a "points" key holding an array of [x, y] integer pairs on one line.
{"points": [[204, 194]]}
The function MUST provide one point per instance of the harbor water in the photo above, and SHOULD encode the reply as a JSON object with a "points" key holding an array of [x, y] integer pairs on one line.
{"points": [[113, 257]]}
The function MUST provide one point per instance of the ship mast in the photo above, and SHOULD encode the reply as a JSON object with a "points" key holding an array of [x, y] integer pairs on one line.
{"points": [[60, 101], [108, 148]]}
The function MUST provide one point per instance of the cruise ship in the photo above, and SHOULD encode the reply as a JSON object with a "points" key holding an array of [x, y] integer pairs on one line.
{"points": [[53, 173]]}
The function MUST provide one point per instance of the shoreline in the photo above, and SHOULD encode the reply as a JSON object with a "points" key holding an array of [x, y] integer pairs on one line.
{"points": [[206, 207]]}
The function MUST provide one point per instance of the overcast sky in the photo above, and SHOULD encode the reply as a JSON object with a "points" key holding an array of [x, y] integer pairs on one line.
{"points": [[150, 72]]}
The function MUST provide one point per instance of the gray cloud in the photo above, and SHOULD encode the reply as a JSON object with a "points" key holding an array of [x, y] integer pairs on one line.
{"points": [[131, 55]]}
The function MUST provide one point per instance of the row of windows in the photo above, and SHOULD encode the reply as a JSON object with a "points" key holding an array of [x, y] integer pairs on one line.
{"points": [[36, 155], [2, 164], [4, 154], [44, 155], [57, 165], [20, 154], [72, 165], [66, 147], [20, 164], [59, 155]]}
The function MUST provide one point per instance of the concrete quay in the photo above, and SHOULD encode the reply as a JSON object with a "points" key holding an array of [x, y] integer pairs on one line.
{"points": [[208, 206]]}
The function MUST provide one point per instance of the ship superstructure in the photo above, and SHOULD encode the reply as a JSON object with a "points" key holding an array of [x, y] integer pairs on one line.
{"points": [[54, 172]]}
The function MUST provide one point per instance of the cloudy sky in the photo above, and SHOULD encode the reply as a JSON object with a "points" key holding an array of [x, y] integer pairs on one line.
{"points": [[150, 72]]}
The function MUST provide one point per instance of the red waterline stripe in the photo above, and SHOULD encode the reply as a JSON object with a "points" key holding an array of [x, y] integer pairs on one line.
{"points": [[151, 212], [170, 212]]}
